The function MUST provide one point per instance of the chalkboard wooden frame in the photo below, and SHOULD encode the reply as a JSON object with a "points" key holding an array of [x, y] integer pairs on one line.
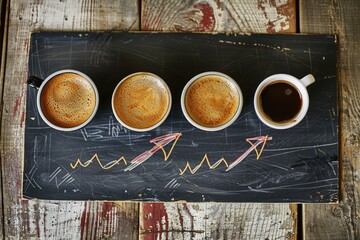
{"points": [[105, 161]]}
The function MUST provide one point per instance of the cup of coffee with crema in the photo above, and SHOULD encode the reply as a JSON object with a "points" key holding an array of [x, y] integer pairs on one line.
{"points": [[67, 100], [211, 101], [281, 101], [141, 101]]}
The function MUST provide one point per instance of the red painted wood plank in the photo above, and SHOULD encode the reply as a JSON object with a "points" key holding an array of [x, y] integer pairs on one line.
{"points": [[219, 16], [217, 221]]}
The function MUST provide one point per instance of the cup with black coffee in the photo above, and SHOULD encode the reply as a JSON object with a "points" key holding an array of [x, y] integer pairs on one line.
{"points": [[281, 101], [67, 100]]}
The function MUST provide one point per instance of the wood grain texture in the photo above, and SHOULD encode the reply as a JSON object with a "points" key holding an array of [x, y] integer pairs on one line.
{"points": [[42, 219], [4, 13], [219, 16], [213, 220], [340, 221], [3, 34], [74, 220], [217, 221]]}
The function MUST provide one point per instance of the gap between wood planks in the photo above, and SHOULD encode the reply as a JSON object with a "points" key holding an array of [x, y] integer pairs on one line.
{"points": [[4, 23], [300, 223]]}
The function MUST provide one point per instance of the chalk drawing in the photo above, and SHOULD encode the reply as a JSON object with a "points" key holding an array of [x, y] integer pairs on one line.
{"points": [[161, 142], [259, 140]]}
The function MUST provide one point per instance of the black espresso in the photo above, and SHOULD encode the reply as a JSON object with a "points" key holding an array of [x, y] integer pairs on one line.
{"points": [[280, 101]]}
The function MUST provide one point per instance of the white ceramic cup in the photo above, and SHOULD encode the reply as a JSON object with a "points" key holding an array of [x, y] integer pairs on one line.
{"points": [[40, 84], [230, 82], [141, 95], [299, 84]]}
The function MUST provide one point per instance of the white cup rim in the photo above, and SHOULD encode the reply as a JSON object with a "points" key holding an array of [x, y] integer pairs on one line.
{"points": [[155, 125], [304, 97], [233, 118], [42, 115]]}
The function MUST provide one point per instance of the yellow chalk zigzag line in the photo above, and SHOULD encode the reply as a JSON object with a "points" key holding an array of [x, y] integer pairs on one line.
{"points": [[96, 157], [205, 158], [222, 160]]}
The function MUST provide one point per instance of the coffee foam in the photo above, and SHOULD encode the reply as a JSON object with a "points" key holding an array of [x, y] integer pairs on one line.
{"points": [[141, 101], [68, 100], [211, 101]]}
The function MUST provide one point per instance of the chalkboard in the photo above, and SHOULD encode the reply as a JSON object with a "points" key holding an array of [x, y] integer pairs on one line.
{"points": [[246, 162]]}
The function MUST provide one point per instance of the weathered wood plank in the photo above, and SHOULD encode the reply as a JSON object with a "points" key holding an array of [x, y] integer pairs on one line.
{"points": [[219, 16], [42, 219], [340, 221], [50, 220], [3, 35], [217, 221]]}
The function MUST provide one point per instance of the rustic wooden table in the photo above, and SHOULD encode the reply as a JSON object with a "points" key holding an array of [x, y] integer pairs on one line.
{"points": [[24, 219]]}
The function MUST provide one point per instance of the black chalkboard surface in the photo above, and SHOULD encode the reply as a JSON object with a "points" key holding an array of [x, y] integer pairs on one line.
{"points": [[105, 161]]}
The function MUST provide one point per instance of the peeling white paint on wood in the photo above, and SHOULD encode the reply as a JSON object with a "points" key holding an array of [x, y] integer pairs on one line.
{"points": [[218, 221], [219, 16]]}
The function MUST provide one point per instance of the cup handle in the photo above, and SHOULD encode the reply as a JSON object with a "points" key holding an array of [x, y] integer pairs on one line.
{"points": [[307, 80], [34, 82]]}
